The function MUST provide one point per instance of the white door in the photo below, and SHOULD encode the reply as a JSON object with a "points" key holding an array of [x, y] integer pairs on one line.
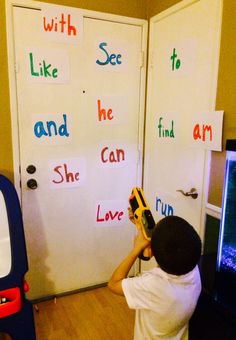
{"points": [[182, 77], [81, 133]]}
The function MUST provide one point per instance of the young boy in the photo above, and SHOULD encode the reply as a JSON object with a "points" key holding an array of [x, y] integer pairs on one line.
{"points": [[164, 297]]}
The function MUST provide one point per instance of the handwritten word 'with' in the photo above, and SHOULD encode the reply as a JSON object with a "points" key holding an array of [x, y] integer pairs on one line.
{"points": [[60, 24]]}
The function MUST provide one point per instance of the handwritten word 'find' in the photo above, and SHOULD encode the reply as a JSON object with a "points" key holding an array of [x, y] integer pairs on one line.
{"points": [[60, 25]]}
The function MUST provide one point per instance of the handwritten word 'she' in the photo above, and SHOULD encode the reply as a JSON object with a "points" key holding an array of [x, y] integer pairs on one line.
{"points": [[103, 114], [65, 175], [50, 128], [114, 156], [43, 69], [164, 208], [164, 132], [201, 132], [61, 24], [109, 215], [112, 59]]}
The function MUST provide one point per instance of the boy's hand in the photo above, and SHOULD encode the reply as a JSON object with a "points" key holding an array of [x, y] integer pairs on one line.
{"points": [[131, 215], [140, 242]]}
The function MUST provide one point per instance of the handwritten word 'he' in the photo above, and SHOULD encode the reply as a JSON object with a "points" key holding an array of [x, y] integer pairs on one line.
{"points": [[164, 208], [113, 59], [109, 215], [200, 132], [50, 128], [62, 25], [112, 156], [42, 69], [103, 114], [163, 132], [65, 175]]}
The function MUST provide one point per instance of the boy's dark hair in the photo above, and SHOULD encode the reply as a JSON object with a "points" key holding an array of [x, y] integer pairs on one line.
{"points": [[176, 245]]}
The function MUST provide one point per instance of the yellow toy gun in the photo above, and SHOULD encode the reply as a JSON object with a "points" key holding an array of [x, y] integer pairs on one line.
{"points": [[143, 218]]}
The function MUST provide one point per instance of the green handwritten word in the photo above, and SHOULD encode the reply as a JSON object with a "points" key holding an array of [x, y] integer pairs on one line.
{"points": [[42, 69], [163, 132], [175, 63]]}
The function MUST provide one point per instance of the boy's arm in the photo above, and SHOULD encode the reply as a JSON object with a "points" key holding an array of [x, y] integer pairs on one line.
{"points": [[123, 269]]}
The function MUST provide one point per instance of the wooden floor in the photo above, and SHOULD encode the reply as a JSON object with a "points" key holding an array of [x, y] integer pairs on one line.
{"points": [[91, 315]]}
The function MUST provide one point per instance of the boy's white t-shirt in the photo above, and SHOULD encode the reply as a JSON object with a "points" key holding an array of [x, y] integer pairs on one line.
{"points": [[164, 303]]}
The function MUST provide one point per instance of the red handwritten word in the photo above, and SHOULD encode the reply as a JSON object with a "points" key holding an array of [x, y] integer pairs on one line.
{"points": [[199, 132], [103, 114], [109, 215], [60, 25], [64, 175], [112, 156]]}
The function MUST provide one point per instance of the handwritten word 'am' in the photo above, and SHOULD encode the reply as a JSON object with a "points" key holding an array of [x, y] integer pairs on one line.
{"points": [[202, 132], [60, 24], [50, 128]]}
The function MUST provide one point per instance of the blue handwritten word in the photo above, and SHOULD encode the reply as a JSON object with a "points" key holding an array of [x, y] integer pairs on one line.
{"points": [[165, 209], [113, 59], [50, 129]]}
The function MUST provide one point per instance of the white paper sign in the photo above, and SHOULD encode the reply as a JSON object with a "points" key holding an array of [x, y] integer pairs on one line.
{"points": [[168, 127], [206, 130], [179, 59], [115, 154], [112, 55], [67, 173], [47, 65], [62, 24], [111, 110], [110, 213]]}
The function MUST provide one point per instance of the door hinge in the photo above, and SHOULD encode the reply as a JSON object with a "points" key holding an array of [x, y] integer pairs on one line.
{"points": [[142, 59], [16, 67]]}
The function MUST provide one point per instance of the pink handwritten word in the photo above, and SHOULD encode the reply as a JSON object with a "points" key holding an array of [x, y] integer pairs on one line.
{"points": [[109, 215]]}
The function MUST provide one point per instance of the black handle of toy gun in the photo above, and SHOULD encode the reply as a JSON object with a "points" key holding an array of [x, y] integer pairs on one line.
{"points": [[142, 257]]}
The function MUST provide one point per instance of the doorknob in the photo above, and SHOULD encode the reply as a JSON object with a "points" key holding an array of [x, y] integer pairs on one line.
{"points": [[31, 169], [192, 193], [32, 183]]}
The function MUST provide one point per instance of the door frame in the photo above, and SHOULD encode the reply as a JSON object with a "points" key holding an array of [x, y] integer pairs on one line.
{"points": [[207, 157], [12, 69]]}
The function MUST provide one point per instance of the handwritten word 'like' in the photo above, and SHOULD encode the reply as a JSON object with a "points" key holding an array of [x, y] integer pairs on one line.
{"points": [[116, 156], [163, 132], [109, 215], [164, 208], [62, 25], [42, 69], [200, 132], [113, 59], [49, 128], [65, 175]]}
